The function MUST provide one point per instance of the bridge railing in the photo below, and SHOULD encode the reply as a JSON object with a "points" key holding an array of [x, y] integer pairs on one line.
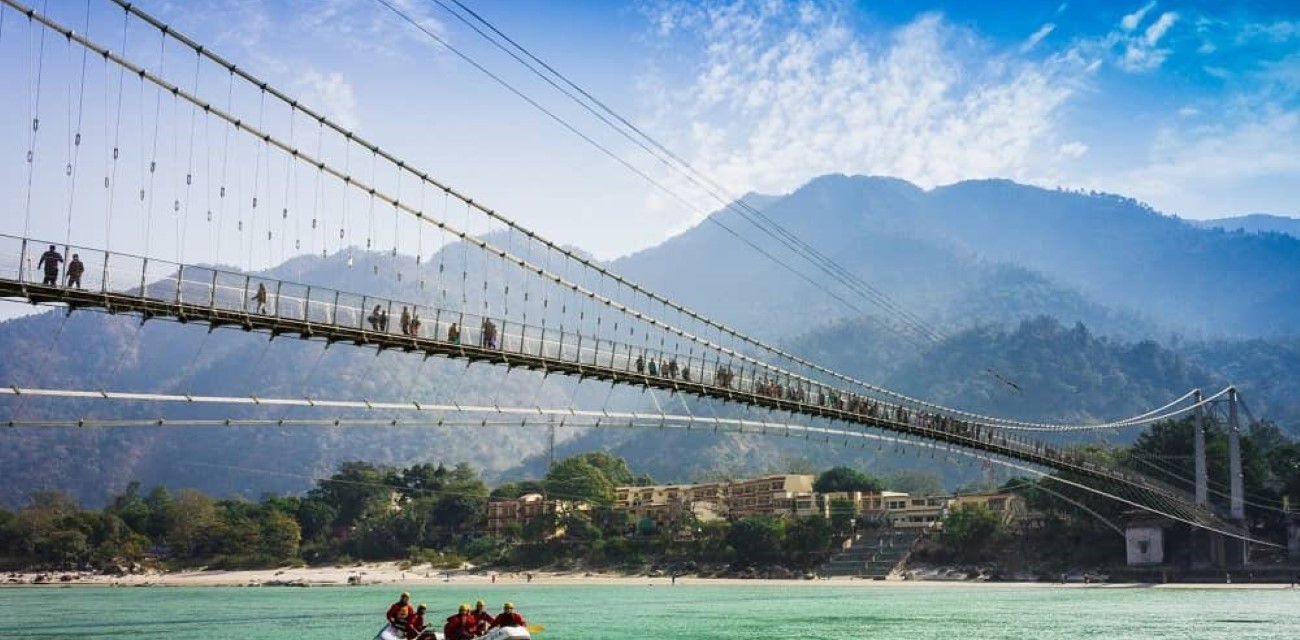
{"points": [[123, 274]]}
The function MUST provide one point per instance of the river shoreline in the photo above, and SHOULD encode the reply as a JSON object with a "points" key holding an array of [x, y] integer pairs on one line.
{"points": [[400, 576]]}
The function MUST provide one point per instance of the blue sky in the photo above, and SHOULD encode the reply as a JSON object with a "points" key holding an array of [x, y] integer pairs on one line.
{"points": [[1193, 107]]}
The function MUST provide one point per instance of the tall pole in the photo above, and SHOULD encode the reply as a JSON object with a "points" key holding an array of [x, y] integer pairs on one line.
{"points": [[1202, 475], [1237, 510]]}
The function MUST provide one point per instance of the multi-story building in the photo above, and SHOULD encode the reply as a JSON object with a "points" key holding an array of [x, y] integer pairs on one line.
{"points": [[526, 509], [786, 494], [920, 512], [665, 504], [876, 506]]}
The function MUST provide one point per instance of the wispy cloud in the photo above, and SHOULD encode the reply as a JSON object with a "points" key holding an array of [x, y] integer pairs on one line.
{"points": [[1141, 51], [1037, 37], [331, 93], [779, 97], [1073, 149], [370, 27], [1131, 21], [1209, 171], [1239, 153], [1277, 31]]}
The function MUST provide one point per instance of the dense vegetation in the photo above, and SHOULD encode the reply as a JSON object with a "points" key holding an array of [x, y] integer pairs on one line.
{"points": [[431, 513]]}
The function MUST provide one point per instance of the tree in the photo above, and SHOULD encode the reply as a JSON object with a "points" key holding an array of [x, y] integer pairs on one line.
{"points": [[842, 515], [756, 538], [50, 529], [131, 508], [970, 529], [614, 467], [159, 503], [578, 526], [846, 479], [806, 537], [190, 519], [353, 490], [281, 536], [1284, 463], [423, 479], [454, 512], [577, 479], [314, 517]]}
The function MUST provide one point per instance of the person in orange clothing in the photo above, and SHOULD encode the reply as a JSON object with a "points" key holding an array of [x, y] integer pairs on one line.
{"points": [[482, 617], [401, 610], [415, 627], [509, 618], [460, 626]]}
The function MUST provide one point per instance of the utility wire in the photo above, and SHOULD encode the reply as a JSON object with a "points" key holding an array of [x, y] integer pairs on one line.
{"points": [[675, 162]]}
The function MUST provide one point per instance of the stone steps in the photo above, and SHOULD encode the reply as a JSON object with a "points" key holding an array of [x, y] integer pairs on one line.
{"points": [[871, 555]]}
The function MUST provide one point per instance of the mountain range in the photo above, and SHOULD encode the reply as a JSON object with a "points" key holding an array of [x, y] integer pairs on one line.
{"points": [[1019, 301]]}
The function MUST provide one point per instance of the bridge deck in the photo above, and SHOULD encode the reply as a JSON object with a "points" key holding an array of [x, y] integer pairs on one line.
{"points": [[185, 293]]}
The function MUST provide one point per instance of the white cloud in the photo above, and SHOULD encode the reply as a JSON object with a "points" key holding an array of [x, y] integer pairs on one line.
{"points": [[1158, 29], [1217, 72], [1074, 149], [1274, 32], [778, 99], [363, 25], [1132, 49], [1037, 37], [1189, 112], [1132, 20], [1218, 169], [331, 93]]}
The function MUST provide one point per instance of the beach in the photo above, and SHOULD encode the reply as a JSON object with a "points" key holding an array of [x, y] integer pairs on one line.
{"points": [[404, 576]]}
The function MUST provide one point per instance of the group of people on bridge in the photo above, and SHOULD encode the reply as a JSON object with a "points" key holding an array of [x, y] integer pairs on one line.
{"points": [[465, 624], [49, 263]]}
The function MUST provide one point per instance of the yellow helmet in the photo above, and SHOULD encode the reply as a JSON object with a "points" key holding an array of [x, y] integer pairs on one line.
{"points": [[480, 603], [464, 607], [406, 594], [509, 605], [422, 607]]}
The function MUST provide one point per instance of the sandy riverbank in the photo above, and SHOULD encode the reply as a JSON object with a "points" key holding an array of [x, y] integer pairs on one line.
{"points": [[420, 577]]}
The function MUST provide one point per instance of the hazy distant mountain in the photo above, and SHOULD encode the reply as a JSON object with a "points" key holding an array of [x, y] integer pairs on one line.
{"points": [[880, 232], [1254, 223], [945, 253]]}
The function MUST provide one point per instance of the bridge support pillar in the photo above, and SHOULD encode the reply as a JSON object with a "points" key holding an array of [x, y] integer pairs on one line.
{"points": [[1237, 504], [1202, 475]]}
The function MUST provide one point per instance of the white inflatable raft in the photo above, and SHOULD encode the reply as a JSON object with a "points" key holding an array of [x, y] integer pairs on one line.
{"points": [[389, 632]]}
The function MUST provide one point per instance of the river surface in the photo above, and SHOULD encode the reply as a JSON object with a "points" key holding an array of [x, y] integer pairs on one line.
{"points": [[950, 612]]}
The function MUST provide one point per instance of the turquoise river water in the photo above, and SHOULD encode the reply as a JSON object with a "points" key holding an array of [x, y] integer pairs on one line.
{"points": [[822, 610]]}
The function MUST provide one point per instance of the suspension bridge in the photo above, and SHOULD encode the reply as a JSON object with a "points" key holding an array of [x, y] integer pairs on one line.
{"points": [[153, 133]]}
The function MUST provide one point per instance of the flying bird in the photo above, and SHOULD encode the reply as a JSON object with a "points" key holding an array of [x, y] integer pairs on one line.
{"points": [[1004, 380]]}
